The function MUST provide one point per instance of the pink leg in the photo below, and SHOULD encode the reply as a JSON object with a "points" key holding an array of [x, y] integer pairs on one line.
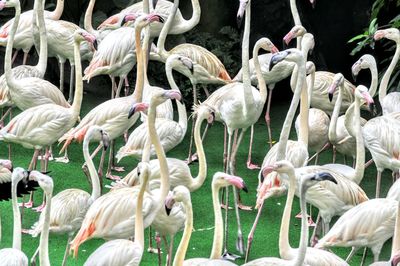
{"points": [[250, 165], [14, 57], [158, 241], [25, 58], [268, 119], [368, 163], [111, 164], [251, 234], [126, 91]]}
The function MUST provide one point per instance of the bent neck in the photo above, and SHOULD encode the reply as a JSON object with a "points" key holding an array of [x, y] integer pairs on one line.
{"points": [[56, 13], [383, 87], [187, 232], [164, 32], [335, 115], [261, 81], [11, 82], [16, 217], [374, 78], [202, 174], [94, 177], [295, 12], [189, 24], [87, 24]]}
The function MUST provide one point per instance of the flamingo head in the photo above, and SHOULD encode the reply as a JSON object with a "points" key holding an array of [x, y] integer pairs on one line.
{"points": [[361, 92], [145, 19], [19, 174], [365, 61], [137, 107], [221, 179], [267, 45], [290, 55], [310, 67], [296, 31], [179, 61], [241, 10], [395, 259], [308, 42], [8, 3], [45, 181], [308, 180], [179, 194], [98, 133], [6, 164], [390, 33], [81, 35], [129, 18], [338, 80]]}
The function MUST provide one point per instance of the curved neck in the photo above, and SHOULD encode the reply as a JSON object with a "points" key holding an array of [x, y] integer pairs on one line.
{"points": [[16, 217], [87, 24], [374, 78], [11, 82], [56, 13], [261, 81], [164, 32], [44, 235], [138, 93], [42, 63], [189, 24], [284, 245], [76, 105], [94, 177], [396, 237], [216, 250], [383, 87], [155, 139], [335, 115], [280, 155], [202, 174], [301, 255], [295, 12], [353, 126], [187, 232]]}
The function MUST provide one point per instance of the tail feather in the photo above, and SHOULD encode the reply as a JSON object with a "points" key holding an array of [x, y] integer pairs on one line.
{"points": [[81, 237], [95, 63], [224, 75], [4, 32], [110, 21]]}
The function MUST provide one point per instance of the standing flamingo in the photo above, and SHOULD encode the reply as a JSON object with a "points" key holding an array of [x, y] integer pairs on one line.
{"points": [[23, 37], [121, 252], [120, 202], [390, 102], [14, 255], [219, 181], [39, 127], [111, 115], [69, 206]]}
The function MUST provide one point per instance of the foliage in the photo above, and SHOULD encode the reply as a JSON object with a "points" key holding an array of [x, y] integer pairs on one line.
{"points": [[366, 39]]}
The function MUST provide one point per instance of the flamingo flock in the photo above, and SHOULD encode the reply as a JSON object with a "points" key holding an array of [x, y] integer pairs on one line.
{"points": [[161, 192]]}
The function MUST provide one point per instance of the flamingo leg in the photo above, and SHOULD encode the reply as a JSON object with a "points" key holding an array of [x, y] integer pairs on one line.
{"points": [[364, 256], [351, 254], [251, 234], [62, 77], [14, 57], [112, 86], [126, 89], [267, 117], [4, 116], [111, 166], [64, 262], [33, 259], [158, 241], [334, 154], [171, 248], [44, 163], [378, 183], [120, 82], [368, 163], [71, 84], [25, 59], [150, 249], [314, 236], [250, 165], [32, 165]]}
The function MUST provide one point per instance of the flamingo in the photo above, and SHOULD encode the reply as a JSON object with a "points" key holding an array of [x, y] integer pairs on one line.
{"points": [[291, 256], [121, 252], [171, 133], [163, 7], [98, 223], [46, 183], [390, 102], [69, 206], [111, 115], [208, 69], [23, 37], [219, 181], [41, 126], [14, 255], [29, 91]]}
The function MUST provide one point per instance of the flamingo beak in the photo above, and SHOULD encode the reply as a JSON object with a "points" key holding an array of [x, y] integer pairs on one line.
{"points": [[276, 58], [325, 176], [379, 34], [240, 13], [288, 37], [169, 202]]}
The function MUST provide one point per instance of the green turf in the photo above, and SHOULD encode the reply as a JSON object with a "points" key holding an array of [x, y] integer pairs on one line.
{"points": [[266, 238]]}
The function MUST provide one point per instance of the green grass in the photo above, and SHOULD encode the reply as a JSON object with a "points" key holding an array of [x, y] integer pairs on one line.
{"points": [[266, 238]]}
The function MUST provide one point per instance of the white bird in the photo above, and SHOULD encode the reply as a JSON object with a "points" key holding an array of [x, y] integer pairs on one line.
{"points": [[14, 256], [390, 102], [70, 206], [121, 252]]}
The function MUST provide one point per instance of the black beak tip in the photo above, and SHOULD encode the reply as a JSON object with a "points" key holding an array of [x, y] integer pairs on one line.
{"points": [[131, 112], [330, 95], [239, 21], [245, 188], [372, 108], [284, 44], [354, 77], [167, 210], [95, 44]]}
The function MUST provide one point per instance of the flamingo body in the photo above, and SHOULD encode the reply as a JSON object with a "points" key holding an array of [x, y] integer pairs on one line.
{"points": [[13, 257]]}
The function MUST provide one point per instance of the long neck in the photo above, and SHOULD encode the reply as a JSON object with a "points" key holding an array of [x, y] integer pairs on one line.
{"points": [[261, 82], [87, 24], [216, 250], [374, 78], [383, 87], [295, 73], [42, 63], [301, 255], [164, 32], [76, 105], [17, 218], [164, 173], [396, 237], [139, 230], [295, 12], [248, 96], [56, 13], [194, 20], [138, 94], [304, 110], [44, 235], [335, 115], [284, 245], [353, 126], [290, 115], [94, 177], [201, 176], [187, 232], [11, 82]]}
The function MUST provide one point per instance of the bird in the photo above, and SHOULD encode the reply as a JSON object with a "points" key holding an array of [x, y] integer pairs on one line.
{"points": [[39, 127], [219, 181], [347, 232], [46, 183], [69, 206], [23, 38], [98, 223], [111, 115], [29, 91], [14, 255], [171, 133], [389, 102], [163, 7], [290, 256], [121, 252]]}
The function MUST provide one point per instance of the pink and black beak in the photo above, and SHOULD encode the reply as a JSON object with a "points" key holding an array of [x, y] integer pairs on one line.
{"points": [[265, 171], [2, 5], [128, 17], [173, 95], [324, 176], [169, 202], [137, 107], [355, 70], [188, 63], [332, 90], [274, 50], [288, 38], [155, 18], [89, 37], [370, 101], [379, 34], [241, 11], [278, 57], [237, 182]]}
